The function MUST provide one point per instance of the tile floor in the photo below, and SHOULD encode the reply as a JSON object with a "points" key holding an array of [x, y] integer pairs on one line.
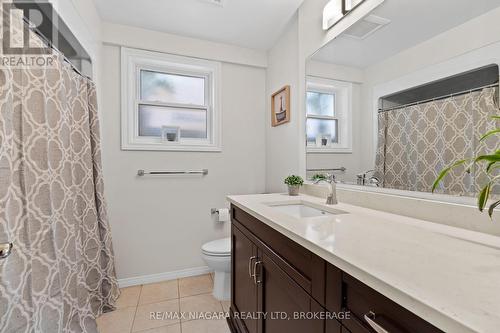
{"points": [[187, 295]]}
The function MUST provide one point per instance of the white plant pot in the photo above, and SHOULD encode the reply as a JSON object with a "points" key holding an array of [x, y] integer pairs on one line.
{"points": [[293, 190]]}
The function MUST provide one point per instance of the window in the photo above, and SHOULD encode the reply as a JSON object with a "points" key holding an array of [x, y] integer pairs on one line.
{"points": [[321, 121], [169, 102], [328, 116]]}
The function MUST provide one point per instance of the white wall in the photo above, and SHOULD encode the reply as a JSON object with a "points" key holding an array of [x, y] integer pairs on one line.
{"points": [[286, 65], [283, 153], [139, 38], [159, 223]]}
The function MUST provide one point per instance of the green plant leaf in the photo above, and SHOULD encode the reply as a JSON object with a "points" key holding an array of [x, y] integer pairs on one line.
{"points": [[490, 158], [492, 162], [492, 207], [293, 180], [445, 171], [483, 197], [318, 176], [490, 133], [492, 166]]}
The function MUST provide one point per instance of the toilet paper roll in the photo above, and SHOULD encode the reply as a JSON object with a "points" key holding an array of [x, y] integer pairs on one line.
{"points": [[223, 215]]}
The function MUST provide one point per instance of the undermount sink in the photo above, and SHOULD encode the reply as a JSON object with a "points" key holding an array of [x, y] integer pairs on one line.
{"points": [[304, 209]]}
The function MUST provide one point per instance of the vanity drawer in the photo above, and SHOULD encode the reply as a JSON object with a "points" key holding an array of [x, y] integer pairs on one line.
{"points": [[363, 301], [304, 267]]}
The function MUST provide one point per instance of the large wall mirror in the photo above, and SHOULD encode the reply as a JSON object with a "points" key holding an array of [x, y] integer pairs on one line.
{"points": [[405, 92]]}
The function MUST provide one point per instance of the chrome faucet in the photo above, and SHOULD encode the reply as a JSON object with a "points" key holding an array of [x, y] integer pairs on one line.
{"points": [[331, 199], [363, 180]]}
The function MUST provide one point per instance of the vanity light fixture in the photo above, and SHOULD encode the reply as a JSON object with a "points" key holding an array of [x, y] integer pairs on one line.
{"points": [[332, 13], [335, 10], [350, 4]]}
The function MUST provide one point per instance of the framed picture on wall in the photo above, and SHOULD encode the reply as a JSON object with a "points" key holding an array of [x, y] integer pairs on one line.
{"points": [[280, 106]]}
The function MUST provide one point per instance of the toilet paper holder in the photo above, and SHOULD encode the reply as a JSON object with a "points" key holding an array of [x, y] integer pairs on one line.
{"points": [[214, 211], [223, 214]]}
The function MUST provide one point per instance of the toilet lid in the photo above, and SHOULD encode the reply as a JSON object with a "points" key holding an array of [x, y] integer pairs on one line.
{"points": [[218, 247]]}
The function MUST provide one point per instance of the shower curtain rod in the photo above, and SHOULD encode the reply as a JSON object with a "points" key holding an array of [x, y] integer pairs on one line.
{"points": [[51, 45], [438, 98]]}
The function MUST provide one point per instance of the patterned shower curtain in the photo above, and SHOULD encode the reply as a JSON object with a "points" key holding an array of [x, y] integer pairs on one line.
{"points": [[60, 274], [416, 142]]}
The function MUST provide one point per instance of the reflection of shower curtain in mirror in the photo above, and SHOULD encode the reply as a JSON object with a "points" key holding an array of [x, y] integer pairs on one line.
{"points": [[416, 142], [60, 274]]}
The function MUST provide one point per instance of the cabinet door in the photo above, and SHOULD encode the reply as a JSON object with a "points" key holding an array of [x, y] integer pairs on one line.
{"points": [[281, 299], [243, 288]]}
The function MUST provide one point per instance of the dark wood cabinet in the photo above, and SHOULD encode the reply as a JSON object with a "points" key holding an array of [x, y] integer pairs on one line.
{"points": [[243, 288], [344, 330], [304, 267], [333, 326], [280, 286], [333, 289], [286, 304]]}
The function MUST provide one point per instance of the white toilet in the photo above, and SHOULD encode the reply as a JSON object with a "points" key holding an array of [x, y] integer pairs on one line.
{"points": [[217, 255]]}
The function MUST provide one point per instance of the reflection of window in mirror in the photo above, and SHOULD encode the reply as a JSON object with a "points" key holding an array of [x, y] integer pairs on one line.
{"points": [[328, 116]]}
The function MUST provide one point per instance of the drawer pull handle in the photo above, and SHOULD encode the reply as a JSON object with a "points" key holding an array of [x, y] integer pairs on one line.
{"points": [[255, 280], [250, 265], [369, 317], [5, 249]]}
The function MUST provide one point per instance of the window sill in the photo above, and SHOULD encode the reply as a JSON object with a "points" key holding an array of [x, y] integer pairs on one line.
{"points": [[329, 150], [180, 147]]}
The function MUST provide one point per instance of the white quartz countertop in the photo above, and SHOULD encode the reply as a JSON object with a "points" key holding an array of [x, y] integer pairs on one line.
{"points": [[446, 275]]}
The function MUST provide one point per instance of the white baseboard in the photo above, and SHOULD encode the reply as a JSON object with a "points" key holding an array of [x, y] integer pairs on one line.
{"points": [[159, 277]]}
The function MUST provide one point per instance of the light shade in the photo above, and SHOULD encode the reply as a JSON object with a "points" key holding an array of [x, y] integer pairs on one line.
{"points": [[332, 13], [350, 4]]}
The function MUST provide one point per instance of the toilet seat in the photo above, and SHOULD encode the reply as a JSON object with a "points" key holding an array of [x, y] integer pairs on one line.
{"points": [[217, 248]]}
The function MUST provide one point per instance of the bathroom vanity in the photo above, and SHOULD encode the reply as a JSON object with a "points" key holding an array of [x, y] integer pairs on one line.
{"points": [[301, 266]]}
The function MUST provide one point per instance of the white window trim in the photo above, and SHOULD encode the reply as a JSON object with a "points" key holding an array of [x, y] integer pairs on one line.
{"points": [[343, 112], [132, 62]]}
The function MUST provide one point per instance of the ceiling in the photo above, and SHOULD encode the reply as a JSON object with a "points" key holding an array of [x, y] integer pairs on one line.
{"points": [[254, 24], [412, 22]]}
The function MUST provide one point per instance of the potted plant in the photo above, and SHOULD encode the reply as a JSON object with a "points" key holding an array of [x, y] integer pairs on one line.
{"points": [[318, 176], [294, 183], [491, 164]]}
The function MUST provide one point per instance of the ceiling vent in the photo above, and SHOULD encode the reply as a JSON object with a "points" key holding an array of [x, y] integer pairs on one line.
{"points": [[365, 27], [219, 3]]}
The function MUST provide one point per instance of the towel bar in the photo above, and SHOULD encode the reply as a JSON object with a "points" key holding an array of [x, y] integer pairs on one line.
{"points": [[203, 172]]}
